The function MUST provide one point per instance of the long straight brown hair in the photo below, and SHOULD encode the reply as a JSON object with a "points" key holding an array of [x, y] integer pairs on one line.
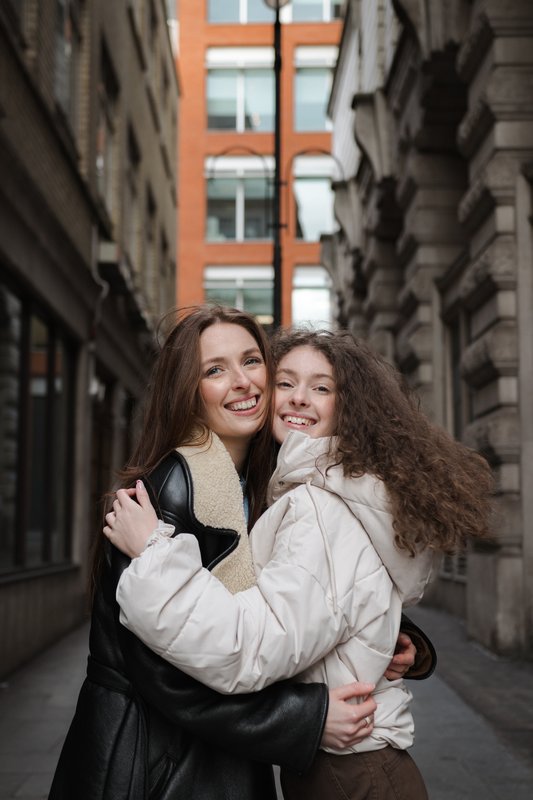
{"points": [[173, 408]]}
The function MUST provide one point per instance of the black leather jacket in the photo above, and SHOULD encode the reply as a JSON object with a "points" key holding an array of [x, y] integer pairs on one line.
{"points": [[144, 730]]}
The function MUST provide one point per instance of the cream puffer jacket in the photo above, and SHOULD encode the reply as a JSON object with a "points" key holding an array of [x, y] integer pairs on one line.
{"points": [[330, 589]]}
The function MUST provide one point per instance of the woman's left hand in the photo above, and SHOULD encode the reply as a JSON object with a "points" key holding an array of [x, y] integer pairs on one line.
{"points": [[403, 659], [131, 523]]}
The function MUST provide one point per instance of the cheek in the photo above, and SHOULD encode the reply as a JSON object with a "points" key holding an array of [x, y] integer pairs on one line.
{"points": [[208, 397], [261, 378], [279, 431], [329, 417]]}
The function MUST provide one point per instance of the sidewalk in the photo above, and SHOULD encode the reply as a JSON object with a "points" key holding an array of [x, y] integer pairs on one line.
{"points": [[474, 718]]}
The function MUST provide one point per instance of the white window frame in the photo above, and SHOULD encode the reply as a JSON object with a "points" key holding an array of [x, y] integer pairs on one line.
{"points": [[239, 167], [243, 16], [327, 16], [303, 278], [240, 59], [239, 275]]}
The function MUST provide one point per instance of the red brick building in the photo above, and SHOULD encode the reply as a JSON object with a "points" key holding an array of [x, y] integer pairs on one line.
{"points": [[226, 153]]}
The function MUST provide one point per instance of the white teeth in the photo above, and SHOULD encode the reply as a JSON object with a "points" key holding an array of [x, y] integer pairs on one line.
{"points": [[244, 405], [299, 421]]}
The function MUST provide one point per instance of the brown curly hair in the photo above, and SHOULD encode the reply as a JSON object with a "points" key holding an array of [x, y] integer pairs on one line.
{"points": [[439, 489]]}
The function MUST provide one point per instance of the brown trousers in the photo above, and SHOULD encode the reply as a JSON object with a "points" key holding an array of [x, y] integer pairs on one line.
{"points": [[386, 774]]}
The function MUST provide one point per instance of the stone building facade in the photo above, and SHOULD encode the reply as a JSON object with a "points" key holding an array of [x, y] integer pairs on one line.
{"points": [[432, 109], [88, 115]]}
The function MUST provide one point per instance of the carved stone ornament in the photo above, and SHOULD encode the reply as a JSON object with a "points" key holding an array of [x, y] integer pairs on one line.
{"points": [[373, 132], [434, 23]]}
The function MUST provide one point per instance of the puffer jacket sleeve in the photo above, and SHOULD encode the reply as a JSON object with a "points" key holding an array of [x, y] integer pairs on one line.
{"points": [[280, 725], [243, 642]]}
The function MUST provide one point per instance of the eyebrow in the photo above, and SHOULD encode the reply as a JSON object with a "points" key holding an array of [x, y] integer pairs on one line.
{"points": [[315, 376], [250, 351]]}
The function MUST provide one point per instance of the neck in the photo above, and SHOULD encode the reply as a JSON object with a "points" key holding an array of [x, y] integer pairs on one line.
{"points": [[238, 450]]}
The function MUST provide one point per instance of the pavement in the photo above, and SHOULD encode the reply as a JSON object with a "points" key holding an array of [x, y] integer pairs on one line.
{"points": [[474, 718]]}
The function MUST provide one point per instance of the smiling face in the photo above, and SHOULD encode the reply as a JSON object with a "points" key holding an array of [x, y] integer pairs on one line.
{"points": [[232, 385], [305, 394]]}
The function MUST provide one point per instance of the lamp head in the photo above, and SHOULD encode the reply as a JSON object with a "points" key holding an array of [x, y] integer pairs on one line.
{"points": [[275, 3]]}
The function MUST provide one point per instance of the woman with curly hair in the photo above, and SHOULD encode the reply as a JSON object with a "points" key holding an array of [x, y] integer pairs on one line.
{"points": [[365, 493]]}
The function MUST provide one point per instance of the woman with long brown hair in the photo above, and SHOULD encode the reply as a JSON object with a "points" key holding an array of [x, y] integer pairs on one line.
{"points": [[142, 728], [365, 492]]}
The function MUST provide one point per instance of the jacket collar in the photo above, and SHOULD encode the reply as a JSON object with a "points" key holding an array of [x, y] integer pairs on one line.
{"points": [[303, 460], [218, 503]]}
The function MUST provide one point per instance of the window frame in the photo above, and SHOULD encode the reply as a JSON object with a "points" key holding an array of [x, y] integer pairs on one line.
{"points": [[240, 278], [240, 169], [58, 341]]}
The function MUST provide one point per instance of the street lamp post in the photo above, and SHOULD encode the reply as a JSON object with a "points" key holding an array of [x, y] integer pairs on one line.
{"points": [[276, 5]]}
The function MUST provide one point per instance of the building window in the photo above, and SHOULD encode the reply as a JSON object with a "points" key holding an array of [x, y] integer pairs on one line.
{"points": [[459, 414], [459, 396], [313, 197], [67, 51], [106, 130], [247, 288], [316, 10], [36, 433], [240, 89], [150, 245], [238, 199], [311, 297], [312, 86], [243, 11], [131, 203]]}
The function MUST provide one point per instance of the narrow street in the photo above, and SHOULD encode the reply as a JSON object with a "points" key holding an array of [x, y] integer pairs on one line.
{"points": [[474, 719]]}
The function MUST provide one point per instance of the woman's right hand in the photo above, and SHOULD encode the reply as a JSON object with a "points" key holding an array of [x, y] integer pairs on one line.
{"points": [[131, 523], [349, 723]]}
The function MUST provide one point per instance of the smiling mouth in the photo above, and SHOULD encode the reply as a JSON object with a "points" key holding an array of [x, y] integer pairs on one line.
{"points": [[303, 422], [243, 405]]}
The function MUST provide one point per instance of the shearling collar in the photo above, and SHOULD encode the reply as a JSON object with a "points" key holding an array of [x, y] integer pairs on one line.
{"points": [[218, 503]]}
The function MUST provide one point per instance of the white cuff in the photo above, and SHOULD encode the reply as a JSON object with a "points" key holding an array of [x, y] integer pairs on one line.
{"points": [[163, 531]]}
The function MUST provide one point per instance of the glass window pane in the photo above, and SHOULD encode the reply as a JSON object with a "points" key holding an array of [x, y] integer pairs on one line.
{"points": [[39, 360], [60, 453], [314, 208], [222, 99], [217, 294], [259, 100], [10, 345], [223, 11], [312, 89], [221, 209], [311, 297], [336, 9], [259, 301], [258, 11], [307, 10], [256, 208]]}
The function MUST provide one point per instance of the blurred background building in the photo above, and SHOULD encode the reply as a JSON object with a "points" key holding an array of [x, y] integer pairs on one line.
{"points": [[432, 110], [227, 154], [406, 206], [88, 118]]}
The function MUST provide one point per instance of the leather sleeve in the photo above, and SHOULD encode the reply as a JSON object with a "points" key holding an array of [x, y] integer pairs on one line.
{"points": [[282, 724], [426, 656]]}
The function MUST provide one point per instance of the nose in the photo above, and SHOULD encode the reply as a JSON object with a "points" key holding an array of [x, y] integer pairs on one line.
{"points": [[241, 379], [299, 396]]}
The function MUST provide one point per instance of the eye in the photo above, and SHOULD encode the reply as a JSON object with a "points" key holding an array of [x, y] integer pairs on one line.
{"points": [[213, 371], [252, 361], [323, 389], [283, 385]]}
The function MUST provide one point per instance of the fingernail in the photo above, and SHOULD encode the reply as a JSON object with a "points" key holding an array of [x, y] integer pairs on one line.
{"points": [[140, 483]]}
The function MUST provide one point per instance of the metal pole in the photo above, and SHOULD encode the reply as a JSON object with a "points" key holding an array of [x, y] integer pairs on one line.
{"points": [[276, 204]]}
